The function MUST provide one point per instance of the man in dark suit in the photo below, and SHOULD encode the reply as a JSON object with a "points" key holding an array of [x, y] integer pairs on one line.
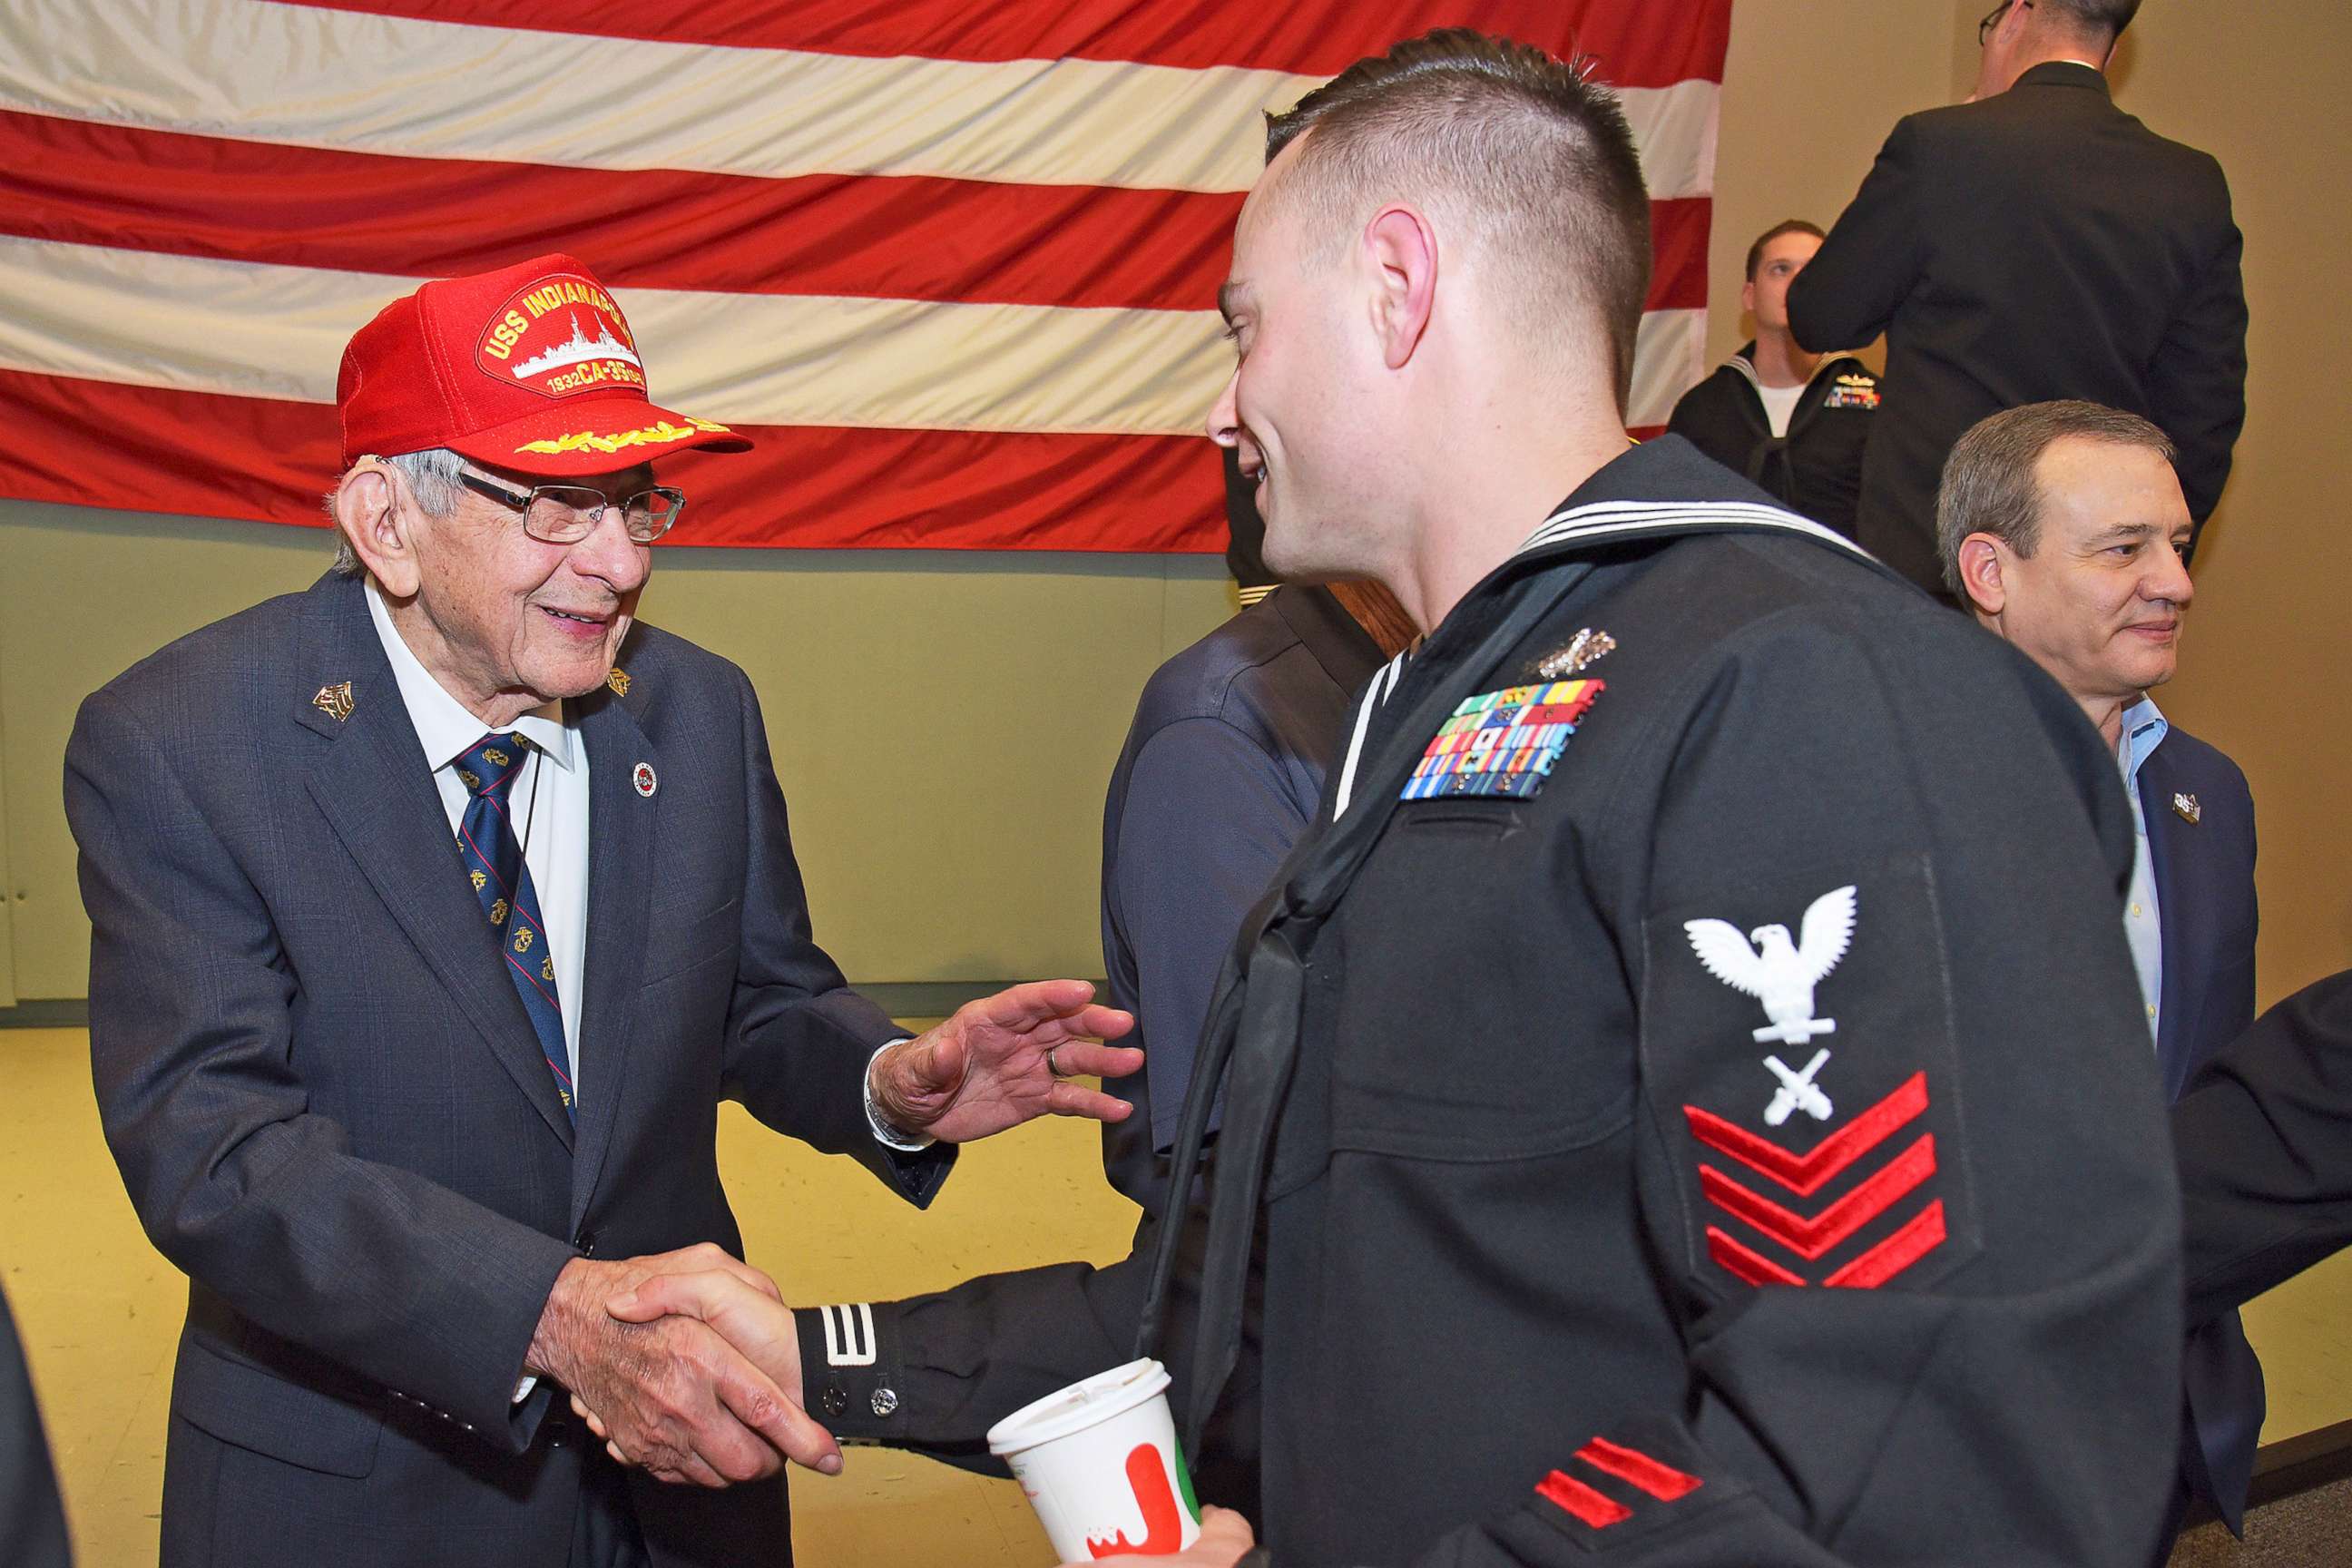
{"points": [[434, 911], [2034, 243], [2062, 525], [2263, 1137], [32, 1521]]}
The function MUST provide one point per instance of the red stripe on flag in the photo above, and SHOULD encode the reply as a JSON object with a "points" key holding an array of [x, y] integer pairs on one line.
{"points": [[1660, 1479], [95, 443], [1593, 1507], [868, 237], [1633, 46], [871, 238], [1804, 1174]]}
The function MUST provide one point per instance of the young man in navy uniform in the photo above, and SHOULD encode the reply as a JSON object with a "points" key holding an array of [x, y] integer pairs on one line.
{"points": [[1794, 422], [1690, 1091]]}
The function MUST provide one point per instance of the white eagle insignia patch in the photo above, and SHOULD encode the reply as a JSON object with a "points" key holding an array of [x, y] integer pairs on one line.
{"points": [[1777, 972]]}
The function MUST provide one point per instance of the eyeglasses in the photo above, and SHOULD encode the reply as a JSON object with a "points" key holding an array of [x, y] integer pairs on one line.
{"points": [[1985, 27], [566, 514]]}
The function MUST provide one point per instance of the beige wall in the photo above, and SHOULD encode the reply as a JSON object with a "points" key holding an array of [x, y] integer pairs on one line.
{"points": [[942, 723]]}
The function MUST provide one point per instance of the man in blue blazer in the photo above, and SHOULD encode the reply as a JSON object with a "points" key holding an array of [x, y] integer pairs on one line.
{"points": [[2063, 525], [434, 909]]}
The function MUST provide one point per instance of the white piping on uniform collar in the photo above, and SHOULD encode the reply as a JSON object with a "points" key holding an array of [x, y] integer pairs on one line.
{"points": [[1383, 681], [1601, 519], [1596, 520]]}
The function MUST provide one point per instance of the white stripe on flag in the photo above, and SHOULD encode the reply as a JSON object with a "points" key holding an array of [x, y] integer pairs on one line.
{"points": [[247, 330], [243, 328], [318, 76]]}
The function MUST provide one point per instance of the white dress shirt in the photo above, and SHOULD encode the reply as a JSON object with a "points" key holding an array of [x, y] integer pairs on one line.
{"points": [[548, 804]]}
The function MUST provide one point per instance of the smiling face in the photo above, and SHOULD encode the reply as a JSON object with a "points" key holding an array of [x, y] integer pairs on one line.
{"points": [[507, 622], [1298, 408], [2099, 604]]}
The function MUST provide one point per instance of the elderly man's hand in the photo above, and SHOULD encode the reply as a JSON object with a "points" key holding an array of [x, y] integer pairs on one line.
{"points": [[673, 1395], [755, 1321], [1005, 1059], [1225, 1538]]}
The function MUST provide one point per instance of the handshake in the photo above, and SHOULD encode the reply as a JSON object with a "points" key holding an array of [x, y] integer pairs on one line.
{"points": [[688, 1363]]}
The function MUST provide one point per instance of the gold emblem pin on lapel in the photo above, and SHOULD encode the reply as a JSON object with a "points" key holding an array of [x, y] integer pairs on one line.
{"points": [[2186, 807], [334, 702], [618, 680], [1586, 647]]}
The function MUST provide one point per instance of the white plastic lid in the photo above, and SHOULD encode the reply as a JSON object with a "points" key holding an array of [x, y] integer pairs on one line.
{"points": [[1082, 1404]]}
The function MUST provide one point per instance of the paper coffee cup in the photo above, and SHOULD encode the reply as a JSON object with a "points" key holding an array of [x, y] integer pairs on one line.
{"points": [[1099, 1463]]}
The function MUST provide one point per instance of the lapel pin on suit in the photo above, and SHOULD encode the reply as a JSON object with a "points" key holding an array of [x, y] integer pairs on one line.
{"points": [[334, 702], [2186, 806], [645, 780], [618, 680]]}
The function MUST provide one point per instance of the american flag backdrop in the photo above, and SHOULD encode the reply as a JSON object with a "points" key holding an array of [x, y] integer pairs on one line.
{"points": [[952, 265]]}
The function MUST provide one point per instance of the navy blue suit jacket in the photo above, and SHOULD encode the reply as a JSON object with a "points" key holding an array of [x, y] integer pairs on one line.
{"points": [[2201, 840], [331, 1109]]}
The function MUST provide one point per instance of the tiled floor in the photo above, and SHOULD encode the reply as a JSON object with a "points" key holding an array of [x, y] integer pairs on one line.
{"points": [[100, 1310]]}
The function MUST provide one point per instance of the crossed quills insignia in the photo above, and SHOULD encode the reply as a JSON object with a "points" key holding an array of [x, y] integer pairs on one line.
{"points": [[1799, 1034]]}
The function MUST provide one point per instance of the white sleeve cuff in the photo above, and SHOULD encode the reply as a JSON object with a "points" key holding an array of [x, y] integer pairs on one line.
{"points": [[524, 1385], [885, 1134]]}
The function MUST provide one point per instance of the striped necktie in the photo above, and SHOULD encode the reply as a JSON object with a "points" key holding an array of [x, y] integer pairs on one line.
{"points": [[493, 859]]}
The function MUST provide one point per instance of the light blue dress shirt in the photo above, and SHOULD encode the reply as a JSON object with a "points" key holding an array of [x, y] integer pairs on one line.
{"points": [[2144, 731]]}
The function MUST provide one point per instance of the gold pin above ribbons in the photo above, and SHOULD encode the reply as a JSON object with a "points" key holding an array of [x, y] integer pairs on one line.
{"points": [[1586, 647]]}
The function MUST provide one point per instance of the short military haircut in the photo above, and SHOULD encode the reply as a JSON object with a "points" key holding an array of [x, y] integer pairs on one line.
{"points": [[1989, 480], [1786, 226], [1520, 152], [2101, 19]]}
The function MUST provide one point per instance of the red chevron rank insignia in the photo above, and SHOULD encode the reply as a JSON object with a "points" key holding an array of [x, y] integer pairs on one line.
{"points": [[1642, 1475], [1764, 1239]]}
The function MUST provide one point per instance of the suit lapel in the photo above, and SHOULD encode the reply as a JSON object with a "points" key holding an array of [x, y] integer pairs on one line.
{"points": [[621, 827], [374, 790], [2169, 859]]}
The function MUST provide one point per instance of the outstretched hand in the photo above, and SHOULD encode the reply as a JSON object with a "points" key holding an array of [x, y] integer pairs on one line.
{"points": [[1005, 1059]]}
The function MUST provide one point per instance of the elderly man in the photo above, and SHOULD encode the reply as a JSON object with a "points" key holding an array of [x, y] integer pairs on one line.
{"points": [[2036, 242], [434, 909], [2063, 526]]}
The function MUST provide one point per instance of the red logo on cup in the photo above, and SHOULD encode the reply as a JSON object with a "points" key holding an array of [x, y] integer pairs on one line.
{"points": [[559, 336]]}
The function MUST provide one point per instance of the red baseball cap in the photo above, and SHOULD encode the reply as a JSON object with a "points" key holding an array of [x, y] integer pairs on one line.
{"points": [[530, 368]]}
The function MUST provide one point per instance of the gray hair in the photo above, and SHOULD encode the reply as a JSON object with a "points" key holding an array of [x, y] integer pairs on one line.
{"points": [[432, 476], [1989, 485]]}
